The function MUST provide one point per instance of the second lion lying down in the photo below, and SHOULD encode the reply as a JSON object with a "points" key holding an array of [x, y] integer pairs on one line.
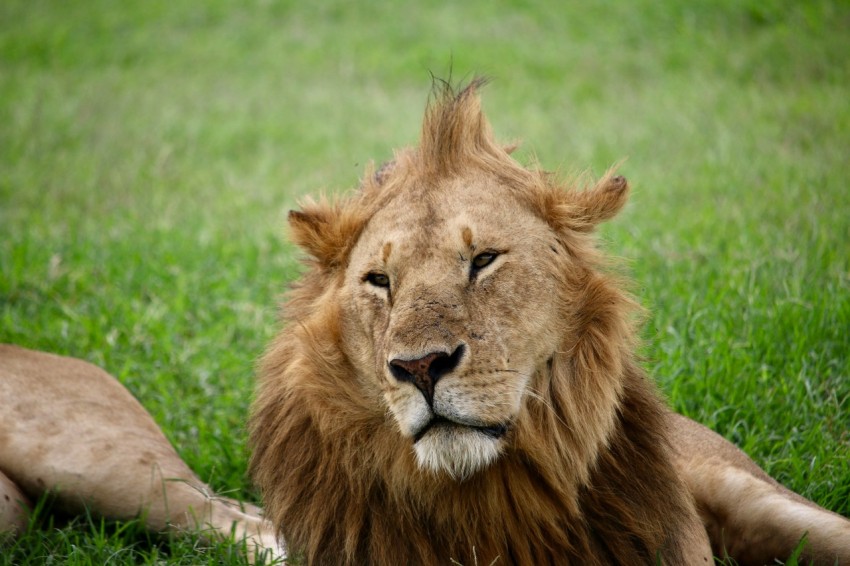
{"points": [[457, 380]]}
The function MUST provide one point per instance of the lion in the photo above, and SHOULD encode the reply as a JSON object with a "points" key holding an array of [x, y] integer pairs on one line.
{"points": [[69, 428], [456, 381]]}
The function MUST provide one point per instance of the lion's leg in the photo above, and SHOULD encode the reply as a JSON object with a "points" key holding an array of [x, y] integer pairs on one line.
{"points": [[748, 515], [69, 427], [186, 504], [14, 507]]}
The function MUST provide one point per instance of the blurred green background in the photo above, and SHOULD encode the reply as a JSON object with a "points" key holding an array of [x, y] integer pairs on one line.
{"points": [[149, 151]]}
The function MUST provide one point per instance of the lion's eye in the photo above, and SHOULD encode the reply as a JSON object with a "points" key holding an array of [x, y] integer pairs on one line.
{"points": [[378, 279], [482, 260]]}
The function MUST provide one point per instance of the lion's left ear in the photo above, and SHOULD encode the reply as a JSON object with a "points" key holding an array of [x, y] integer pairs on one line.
{"points": [[600, 202], [326, 231]]}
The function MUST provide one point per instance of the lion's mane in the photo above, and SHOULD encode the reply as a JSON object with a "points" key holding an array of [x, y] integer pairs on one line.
{"points": [[587, 478]]}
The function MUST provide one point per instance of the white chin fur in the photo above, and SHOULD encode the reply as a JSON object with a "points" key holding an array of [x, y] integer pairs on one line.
{"points": [[457, 452]]}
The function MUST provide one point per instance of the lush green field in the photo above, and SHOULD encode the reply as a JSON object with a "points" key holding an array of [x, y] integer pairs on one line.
{"points": [[149, 152]]}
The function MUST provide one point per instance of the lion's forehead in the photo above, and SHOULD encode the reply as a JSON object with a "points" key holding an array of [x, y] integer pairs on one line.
{"points": [[460, 216]]}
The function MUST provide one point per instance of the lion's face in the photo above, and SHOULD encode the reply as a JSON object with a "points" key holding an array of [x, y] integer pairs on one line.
{"points": [[449, 304], [460, 288]]}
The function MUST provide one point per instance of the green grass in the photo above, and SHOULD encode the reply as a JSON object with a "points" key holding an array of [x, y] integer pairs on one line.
{"points": [[150, 150]]}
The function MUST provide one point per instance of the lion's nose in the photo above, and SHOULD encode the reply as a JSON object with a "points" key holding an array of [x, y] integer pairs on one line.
{"points": [[426, 371]]}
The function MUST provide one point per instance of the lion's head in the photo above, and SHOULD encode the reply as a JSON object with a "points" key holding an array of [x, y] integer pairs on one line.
{"points": [[453, 343]]}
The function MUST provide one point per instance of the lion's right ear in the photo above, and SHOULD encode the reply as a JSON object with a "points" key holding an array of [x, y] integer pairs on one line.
{"points": [[326, 231]]}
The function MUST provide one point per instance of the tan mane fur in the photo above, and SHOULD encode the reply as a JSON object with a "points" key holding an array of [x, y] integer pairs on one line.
{"points": [[587, 475]]}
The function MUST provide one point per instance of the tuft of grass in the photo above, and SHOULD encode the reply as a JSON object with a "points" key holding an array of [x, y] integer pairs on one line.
{"points": [[149, 151]]}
